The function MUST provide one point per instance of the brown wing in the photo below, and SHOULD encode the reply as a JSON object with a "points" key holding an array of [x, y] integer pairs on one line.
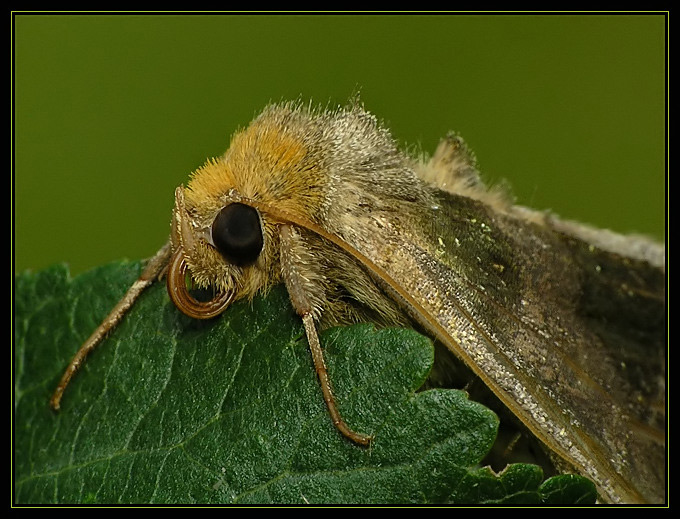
{"points": [[570, 337]]}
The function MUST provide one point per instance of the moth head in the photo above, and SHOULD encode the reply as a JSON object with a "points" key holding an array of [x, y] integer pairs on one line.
{"points": [[220, 246], [223, 239]]}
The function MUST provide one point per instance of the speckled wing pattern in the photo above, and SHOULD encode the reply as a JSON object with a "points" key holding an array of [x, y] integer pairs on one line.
{"points": [[570, 337]]}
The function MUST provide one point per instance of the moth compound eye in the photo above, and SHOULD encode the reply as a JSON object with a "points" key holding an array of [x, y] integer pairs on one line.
{"points": [[237, 234]]}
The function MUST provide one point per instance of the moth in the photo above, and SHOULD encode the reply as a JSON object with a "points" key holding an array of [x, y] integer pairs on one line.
{"points": [[564, 323]]}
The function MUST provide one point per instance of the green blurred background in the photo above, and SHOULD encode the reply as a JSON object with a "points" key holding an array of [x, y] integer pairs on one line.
{"points": [[113, 111]]}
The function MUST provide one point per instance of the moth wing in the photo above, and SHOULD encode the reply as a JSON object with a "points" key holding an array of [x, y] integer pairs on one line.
{"points": [[569, 336]]}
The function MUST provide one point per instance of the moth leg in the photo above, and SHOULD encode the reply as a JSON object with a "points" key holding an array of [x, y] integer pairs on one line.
{"points": [[154, 268], [297, 268], [324, 381]]}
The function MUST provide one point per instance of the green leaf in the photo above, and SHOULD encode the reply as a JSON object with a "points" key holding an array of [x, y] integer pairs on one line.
{"points": [[567, 488], [173, 410]]}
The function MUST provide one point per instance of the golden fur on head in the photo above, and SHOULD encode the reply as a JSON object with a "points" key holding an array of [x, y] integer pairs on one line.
{"points": [[270, 162], [275, 161]]}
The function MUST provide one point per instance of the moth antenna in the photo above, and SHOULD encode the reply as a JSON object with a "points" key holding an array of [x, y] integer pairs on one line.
{"points": [[153, 269]]}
